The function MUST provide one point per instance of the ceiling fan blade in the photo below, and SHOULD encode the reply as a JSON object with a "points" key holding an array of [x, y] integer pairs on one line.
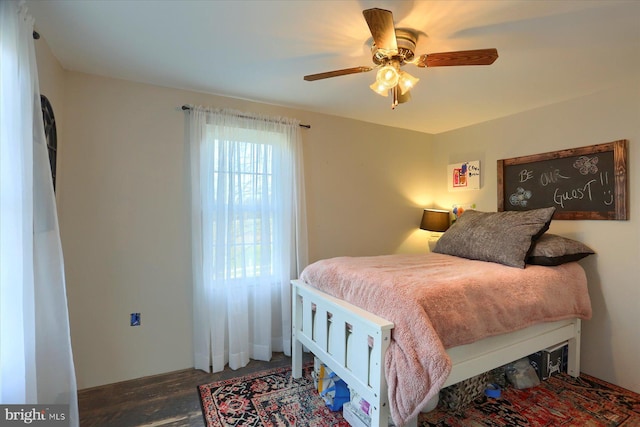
{"points": [[380, 23], [336, 73], [463, 57]]}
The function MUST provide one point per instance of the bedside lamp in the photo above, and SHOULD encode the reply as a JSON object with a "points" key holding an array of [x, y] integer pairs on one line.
{"points": [[436, 221]]}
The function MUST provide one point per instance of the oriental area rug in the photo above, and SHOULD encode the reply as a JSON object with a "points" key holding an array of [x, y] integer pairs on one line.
{"points": [[273, 399]]}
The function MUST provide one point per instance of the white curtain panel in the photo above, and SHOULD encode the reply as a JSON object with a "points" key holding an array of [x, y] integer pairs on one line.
{"points": [[36, 363], [248, 233]]}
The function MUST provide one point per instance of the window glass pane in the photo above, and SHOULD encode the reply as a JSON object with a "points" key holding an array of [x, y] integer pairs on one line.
{"points": [[243, 195]]}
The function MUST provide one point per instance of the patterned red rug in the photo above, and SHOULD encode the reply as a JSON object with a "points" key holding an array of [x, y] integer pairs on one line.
{"points": [[267, 398], [560, 400], [272, 398]]}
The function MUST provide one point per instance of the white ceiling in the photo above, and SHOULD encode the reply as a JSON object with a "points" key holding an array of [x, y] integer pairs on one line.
{"points": [[550, 51]]}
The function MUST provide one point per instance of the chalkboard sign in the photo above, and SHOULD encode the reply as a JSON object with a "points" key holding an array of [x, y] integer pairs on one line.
{"points": [[582, 183]]}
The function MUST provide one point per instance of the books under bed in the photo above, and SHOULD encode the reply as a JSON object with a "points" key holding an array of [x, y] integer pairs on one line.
{"points": [[398, 328]]}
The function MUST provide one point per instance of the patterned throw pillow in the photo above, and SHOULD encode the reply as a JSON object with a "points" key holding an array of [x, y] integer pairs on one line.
{"points": [[501, 237]]}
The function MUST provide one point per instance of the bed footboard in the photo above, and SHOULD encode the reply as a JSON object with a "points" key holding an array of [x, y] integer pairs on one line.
{"points": [[350, 341]]}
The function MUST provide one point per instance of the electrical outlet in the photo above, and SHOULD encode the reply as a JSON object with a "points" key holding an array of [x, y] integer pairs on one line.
{"points": [[135, 319]]}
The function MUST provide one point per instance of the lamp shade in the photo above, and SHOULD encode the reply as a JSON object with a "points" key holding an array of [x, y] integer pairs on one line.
{"points": [[435, 220], [388, 76]]}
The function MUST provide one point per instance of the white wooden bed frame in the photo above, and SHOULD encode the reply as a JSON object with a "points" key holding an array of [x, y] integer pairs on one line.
{"points": [[352, 342]]}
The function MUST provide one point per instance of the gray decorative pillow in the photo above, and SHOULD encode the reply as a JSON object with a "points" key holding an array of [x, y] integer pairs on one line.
{"points": [[501, 237], [551, 249]]}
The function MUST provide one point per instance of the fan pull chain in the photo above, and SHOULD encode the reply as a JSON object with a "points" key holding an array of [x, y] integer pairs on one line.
{"points": [[394, 93]]}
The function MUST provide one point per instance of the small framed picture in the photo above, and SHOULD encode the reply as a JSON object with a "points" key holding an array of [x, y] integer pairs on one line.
{"points": [[463, 176]]}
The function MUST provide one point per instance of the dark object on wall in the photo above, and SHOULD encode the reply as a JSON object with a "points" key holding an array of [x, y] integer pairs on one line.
{"points": [[582, 183], [50, 133]]}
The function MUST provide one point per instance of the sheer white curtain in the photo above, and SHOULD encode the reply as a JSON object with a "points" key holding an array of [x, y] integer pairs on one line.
{"points": [[36, 363], [249, 234]]}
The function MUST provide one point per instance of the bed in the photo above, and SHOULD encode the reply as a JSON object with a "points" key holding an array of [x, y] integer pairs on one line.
{"points": [[358, 315]]}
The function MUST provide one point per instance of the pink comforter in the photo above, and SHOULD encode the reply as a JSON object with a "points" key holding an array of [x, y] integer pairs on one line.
{"points": [[439, 301]]}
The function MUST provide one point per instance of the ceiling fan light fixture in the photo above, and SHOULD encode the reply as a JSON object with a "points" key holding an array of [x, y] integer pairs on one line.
{"points": [[388, 76], [404, 97], [406, 82], [379, 89]]}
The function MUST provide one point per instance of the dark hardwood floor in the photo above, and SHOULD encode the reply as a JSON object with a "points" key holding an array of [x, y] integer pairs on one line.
{"points": [[168, 400]]}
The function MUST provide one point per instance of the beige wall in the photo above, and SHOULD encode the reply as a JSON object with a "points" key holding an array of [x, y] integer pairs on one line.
{"points": [[610, 341], [123, 197], [123, 208], [366, 188]]}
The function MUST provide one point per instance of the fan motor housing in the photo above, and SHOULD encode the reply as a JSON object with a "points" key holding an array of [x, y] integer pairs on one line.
{"points": [[406, 40]]}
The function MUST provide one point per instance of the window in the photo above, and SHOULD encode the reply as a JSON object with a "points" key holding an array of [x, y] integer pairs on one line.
{"points": [[243, 182], [248, 233]]}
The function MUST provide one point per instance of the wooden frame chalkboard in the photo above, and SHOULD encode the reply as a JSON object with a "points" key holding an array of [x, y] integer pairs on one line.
{"points": [[582, 183]]}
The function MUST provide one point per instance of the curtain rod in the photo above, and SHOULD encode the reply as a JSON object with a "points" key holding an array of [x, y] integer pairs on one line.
{"points": [[188, 107]]}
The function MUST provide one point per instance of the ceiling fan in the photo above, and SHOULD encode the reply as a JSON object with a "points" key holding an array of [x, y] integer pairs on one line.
{"points": [[392, 48]]}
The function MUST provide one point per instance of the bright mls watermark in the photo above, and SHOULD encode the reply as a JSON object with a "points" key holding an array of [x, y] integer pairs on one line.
{"points": [[36, 415]]}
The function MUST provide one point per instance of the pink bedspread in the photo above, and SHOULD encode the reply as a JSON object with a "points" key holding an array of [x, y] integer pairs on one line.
{"points": [[439, 301]]}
